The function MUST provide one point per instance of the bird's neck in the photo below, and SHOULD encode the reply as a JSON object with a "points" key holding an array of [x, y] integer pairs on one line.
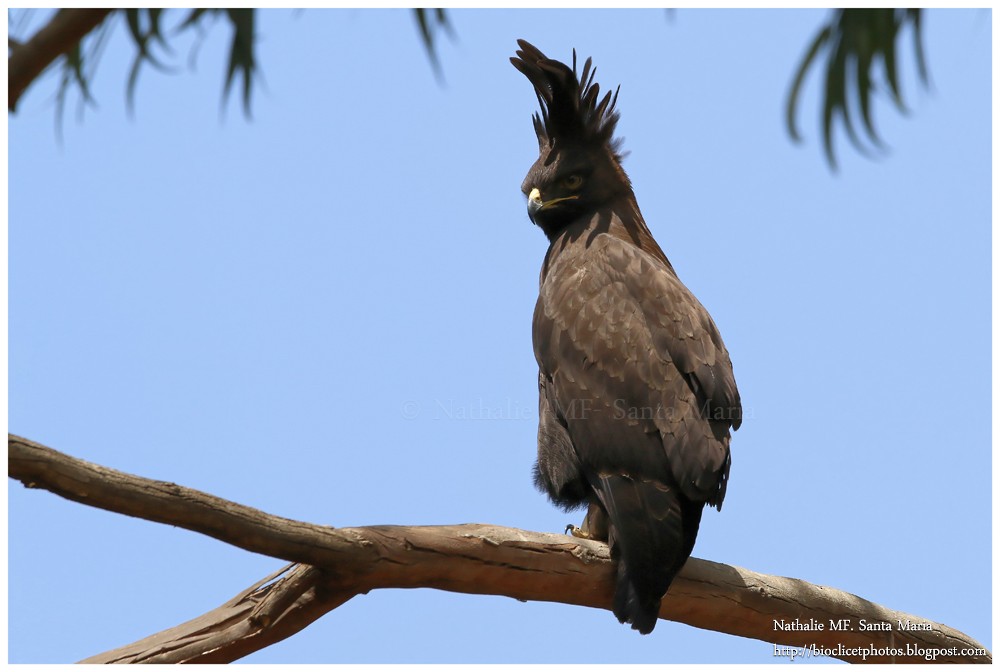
{"points": [[633, 229], [621, 218]]}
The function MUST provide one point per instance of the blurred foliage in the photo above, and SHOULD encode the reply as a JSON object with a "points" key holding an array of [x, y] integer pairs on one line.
{"points": [[854, 41], [430, 21], [145, 27]]}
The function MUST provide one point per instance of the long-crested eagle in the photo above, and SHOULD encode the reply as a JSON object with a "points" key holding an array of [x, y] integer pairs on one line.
{"points": [[636, 390]]}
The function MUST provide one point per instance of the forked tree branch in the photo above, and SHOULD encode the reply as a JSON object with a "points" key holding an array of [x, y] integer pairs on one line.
{"points": [[28, 59], [339, 563]]}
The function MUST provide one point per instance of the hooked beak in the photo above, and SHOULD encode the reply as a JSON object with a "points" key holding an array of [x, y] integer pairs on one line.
{"points": [[536, 204]]}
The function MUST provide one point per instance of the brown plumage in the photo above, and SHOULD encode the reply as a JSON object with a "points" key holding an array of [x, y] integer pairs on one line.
{"points": [[636, 390]]}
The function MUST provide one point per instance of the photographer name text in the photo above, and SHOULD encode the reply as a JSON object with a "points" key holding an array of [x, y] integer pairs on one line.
{"points": [[847, 625]]}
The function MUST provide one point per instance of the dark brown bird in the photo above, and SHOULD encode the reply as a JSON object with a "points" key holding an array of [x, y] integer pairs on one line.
{"points": [[636, 390]]}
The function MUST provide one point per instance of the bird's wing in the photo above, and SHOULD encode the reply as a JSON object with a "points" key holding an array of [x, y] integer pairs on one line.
{"points": [[557, 471], [638, 369]]}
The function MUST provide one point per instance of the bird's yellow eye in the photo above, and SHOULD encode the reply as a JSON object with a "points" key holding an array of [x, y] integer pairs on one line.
{"points": [[572, 181]]}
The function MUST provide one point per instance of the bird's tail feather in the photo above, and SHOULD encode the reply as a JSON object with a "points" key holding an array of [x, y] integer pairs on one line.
{"points": [[652, 529]]}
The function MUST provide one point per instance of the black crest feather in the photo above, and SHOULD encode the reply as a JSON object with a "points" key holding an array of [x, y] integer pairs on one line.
{"points": [[570, 107]]}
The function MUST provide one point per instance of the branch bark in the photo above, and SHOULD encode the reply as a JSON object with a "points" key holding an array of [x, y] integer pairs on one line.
{"points": [[338, 563], [29, 59]]}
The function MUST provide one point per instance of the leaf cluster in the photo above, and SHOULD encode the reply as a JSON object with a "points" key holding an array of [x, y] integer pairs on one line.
{"points": [[853, 43], [858, 46], [145, 28]]}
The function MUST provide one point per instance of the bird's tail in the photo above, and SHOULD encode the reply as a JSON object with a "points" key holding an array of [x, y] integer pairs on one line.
{"points": [[652, 529]]}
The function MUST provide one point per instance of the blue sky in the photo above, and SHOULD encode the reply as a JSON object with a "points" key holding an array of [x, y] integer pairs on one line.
{"points": [[257, 309]]}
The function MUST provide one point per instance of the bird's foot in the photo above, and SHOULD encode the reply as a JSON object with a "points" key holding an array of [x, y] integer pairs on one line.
{"points": [[577, 532]]}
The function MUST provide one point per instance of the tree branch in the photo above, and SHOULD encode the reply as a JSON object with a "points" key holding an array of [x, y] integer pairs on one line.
{"points": [[267, 612], [28, 59], [478, 559]]}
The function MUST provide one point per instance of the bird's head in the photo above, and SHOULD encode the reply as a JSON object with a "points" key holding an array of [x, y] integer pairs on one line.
{"points": [[578, 169]]}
